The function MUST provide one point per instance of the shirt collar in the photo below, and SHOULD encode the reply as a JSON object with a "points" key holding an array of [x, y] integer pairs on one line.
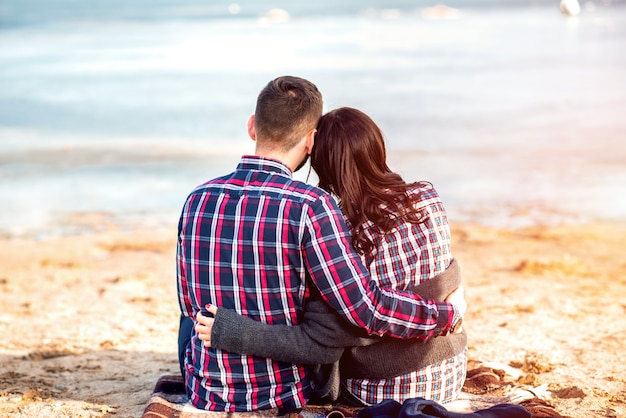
{"points": [[254, 162]]}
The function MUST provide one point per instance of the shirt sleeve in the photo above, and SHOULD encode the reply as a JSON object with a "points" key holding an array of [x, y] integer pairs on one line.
{"points": [[345, 284], [181, 275]]}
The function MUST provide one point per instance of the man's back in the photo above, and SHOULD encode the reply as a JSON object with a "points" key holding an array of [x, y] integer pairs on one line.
{"points": [[240, 247]]}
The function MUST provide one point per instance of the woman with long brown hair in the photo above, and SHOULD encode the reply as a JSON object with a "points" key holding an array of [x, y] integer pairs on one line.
{"points": [[401, 231]]}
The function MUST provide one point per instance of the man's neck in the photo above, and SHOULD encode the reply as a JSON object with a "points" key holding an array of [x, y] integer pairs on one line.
{"points": [[285, 158]]}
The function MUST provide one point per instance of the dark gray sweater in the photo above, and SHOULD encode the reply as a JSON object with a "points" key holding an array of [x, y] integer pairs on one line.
{"points": [[336, 348]]}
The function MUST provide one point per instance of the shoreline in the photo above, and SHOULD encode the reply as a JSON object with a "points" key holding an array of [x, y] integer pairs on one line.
{"points": [[89, 322], [68, 192]]}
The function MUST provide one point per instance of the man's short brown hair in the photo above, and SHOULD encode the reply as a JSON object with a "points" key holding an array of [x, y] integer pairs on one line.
{"points": [[286, 110]]}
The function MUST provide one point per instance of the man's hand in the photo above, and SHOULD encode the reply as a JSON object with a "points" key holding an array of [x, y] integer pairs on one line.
{"points": [[457, 298], [204, 324]]}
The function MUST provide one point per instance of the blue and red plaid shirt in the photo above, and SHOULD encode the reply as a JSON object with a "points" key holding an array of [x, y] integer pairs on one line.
{"points": [[247, 242]]}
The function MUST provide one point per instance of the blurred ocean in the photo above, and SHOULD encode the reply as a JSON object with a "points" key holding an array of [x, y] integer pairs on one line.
{"points": [[111, 111]]}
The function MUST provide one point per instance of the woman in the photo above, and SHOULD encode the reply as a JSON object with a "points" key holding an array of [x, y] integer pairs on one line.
{"points": [[401, 232]]}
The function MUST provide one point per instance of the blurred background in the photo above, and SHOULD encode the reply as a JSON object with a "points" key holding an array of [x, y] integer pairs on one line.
{"points": [[112, 111]]}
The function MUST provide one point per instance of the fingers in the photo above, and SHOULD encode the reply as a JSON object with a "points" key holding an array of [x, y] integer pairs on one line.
{"points": [[204, 333], [452, 296], [203, 328], [457, 293], [204, 320], [457, 298], [204, 324]]}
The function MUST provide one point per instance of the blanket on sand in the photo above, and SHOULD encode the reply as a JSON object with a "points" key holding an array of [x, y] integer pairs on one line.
{"points": [[487, 394], [169, 400]]}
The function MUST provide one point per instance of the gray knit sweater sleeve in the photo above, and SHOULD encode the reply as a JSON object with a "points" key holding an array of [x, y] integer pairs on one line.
{"points": [[320, 338]]}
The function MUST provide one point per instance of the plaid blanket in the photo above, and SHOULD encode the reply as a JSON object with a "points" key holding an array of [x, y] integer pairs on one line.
{"points": [[169, 400], [484, 387]]}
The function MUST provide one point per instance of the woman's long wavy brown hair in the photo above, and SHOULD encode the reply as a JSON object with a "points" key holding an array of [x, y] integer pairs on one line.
{"points": [[350, 160]]}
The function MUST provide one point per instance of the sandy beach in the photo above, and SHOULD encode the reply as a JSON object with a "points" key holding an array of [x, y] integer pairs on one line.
{"points": [[112, 111], [89, 322]]}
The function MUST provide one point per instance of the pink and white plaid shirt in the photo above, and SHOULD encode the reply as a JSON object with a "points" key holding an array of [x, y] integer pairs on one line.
{"points": [[405, 257]]}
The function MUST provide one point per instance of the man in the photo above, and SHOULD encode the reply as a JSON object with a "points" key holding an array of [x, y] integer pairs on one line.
{"points": [[251, 241]]}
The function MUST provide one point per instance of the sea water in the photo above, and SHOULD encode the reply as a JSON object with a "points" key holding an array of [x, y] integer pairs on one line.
{"points": [[514, 111]]}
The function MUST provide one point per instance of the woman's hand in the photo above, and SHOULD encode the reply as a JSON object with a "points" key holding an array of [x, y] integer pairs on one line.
{"points": [[204, 324], [457, 298]]}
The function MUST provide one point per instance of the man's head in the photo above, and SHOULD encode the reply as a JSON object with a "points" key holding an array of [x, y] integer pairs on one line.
{"points": [[287, 110]]}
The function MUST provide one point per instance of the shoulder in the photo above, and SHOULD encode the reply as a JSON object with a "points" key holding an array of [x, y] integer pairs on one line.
{"points": [[423, 194], [300, 193], [424, 188], [217, 182], [307, 191]]}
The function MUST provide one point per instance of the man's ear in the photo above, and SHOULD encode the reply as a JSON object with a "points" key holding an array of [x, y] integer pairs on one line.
{"points": [[310, 140], [251, 129]]}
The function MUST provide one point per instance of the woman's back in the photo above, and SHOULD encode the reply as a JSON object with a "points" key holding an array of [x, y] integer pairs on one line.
{"points": [[401, 232], [406, 255], [411, 253]]}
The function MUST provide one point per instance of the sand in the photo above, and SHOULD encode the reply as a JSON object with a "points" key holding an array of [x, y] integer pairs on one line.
{"points": [[89, 322]]}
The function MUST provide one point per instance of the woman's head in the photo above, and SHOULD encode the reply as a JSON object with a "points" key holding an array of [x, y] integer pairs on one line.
{"points": [[350, 160], [349, 150]]}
